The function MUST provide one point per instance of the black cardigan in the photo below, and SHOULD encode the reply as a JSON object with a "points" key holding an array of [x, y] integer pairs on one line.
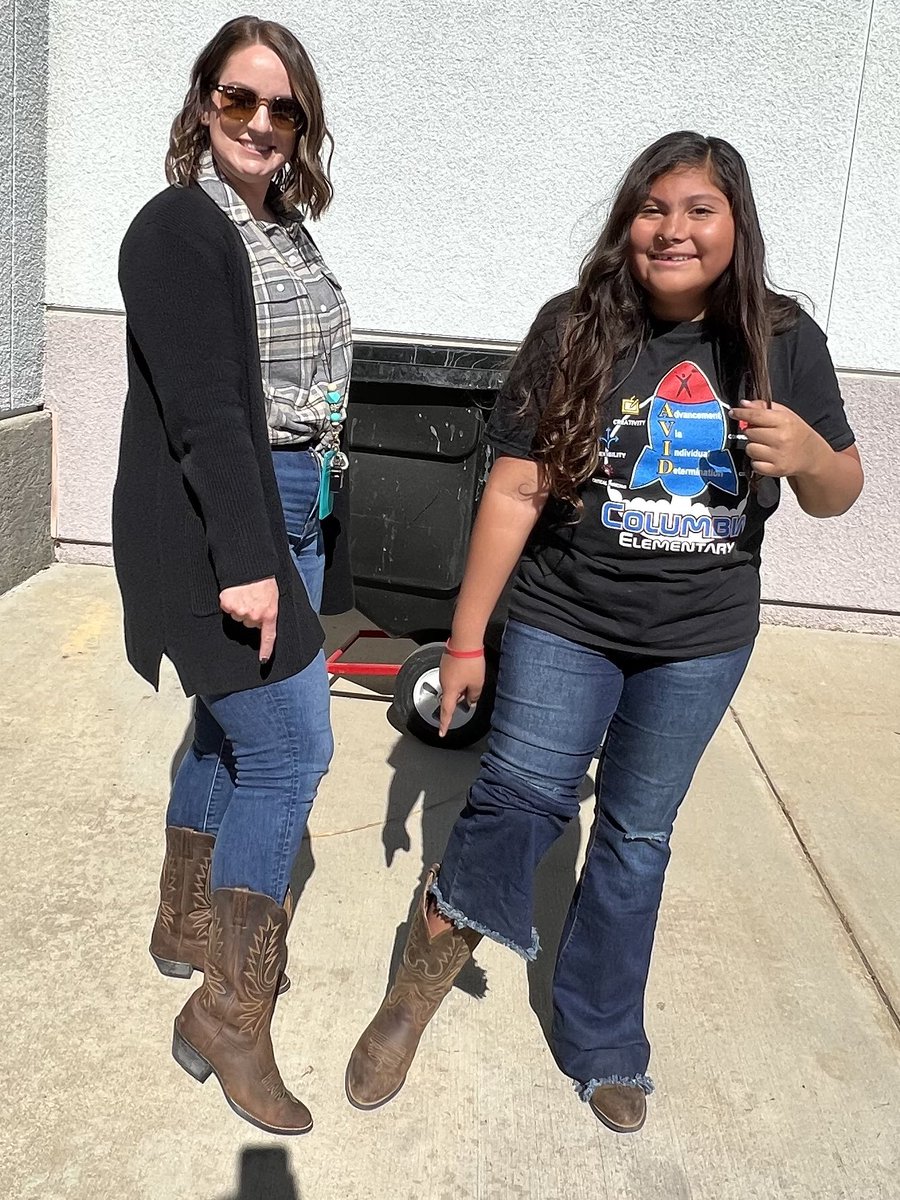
{"points": [[195, 505]]}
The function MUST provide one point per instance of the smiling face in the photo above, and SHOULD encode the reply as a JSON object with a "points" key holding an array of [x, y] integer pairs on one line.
{"points": [[680, 242], [249, 154]]}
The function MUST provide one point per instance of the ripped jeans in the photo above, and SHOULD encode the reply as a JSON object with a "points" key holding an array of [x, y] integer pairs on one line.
{"points": [[555, 701]]}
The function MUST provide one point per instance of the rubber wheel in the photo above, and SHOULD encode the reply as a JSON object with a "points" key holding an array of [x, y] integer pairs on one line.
{"points": [[416, 705]]}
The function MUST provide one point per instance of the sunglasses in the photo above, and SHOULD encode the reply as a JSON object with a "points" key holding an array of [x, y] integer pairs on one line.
{"points": [[240, 104]]}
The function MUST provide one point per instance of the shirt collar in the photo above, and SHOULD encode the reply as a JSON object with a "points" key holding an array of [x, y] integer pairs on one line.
{"points": [[210, 178], [214, 183]]}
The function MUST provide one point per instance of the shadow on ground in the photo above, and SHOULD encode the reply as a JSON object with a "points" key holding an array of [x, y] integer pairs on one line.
{"points": [[265, 1174]]}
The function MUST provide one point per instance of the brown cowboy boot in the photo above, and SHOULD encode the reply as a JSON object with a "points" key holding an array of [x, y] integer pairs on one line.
{"points": [[225, 1027], [621, 1107], [383, 1055], [180, 932]]}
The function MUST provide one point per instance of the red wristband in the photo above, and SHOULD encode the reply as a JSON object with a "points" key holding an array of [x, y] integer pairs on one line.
{"points": [[464, 653]]}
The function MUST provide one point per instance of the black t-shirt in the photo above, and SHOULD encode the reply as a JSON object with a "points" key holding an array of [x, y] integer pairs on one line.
{"points": [[664, 559]]}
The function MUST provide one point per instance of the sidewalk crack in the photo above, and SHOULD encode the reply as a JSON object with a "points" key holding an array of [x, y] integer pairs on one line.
{"points": [[823, 882]]}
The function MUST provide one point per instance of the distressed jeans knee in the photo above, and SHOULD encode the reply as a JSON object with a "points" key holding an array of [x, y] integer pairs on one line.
{"points": [[658, 838]]}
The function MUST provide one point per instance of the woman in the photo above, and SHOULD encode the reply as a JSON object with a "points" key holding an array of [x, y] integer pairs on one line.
{"points": [[638, 443], [238, 364]]}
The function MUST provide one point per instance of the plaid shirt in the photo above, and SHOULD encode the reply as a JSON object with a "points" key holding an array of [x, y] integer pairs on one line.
{"points": [[302, 320]]}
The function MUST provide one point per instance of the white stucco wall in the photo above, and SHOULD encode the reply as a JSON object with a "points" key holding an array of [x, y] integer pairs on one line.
{"points": [[477, 142]]}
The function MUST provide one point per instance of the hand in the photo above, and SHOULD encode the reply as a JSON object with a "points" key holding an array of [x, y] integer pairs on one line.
{"points": [[779, 443], [461, 679], [256, 606]]}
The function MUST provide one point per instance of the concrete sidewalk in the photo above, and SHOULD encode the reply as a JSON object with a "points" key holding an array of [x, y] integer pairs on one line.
{"points": [[773, 1002]]}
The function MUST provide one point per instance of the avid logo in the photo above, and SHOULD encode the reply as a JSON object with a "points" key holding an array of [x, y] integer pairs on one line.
{"points": [[687, 430]]}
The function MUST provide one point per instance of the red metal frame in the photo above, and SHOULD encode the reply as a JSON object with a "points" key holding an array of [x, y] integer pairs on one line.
{"points": [[336, 665]]}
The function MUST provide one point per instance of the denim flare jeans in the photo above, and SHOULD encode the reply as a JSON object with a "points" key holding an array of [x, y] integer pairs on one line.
{"points": [[555, 702], [257, 757]]}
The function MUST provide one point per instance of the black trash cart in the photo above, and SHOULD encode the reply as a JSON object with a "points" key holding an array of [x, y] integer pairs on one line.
{"points": [[418, 465]]}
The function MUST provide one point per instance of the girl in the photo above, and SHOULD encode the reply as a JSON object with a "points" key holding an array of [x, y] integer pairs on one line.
{"points": [[238, 363], [638, 443]]}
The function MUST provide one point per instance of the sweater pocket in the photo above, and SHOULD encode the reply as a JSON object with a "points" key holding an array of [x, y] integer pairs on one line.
{"points": [[203, 587]]}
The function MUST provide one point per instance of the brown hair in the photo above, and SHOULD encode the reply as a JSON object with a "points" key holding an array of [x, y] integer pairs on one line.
{"points": [[610, 315], [304, 180]]}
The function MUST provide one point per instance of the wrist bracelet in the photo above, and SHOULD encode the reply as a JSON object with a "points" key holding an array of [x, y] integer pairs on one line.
{"points": [[463, 653]]}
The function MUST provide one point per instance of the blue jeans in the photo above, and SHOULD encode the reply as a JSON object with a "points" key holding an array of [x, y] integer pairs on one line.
{"points": [[257, 756], [298, 473], [555, 702]]}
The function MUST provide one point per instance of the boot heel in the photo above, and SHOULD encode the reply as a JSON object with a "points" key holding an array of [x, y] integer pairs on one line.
{"points": [[175, 970], [188, 1058]]}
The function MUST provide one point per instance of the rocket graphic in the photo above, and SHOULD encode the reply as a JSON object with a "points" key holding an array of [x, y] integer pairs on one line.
{"points": [[687, 430]]}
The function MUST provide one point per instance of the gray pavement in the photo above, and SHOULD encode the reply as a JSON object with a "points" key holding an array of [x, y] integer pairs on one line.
{"points": [[772, 1003]]}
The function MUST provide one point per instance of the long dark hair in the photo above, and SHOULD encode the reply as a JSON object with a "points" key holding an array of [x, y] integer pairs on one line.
{"points": [[610, 312], [305, 180]]}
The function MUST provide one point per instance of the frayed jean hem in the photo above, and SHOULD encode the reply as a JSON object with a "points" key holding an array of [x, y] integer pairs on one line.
{"points": [[586, 1090], [461, 921]]}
